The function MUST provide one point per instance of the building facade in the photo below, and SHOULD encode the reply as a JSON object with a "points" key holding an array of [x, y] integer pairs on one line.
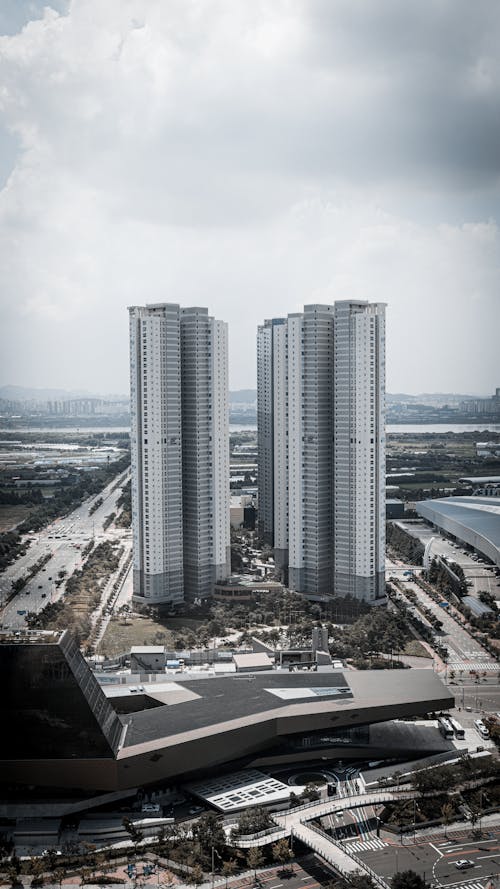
{"points": [[179, 452], [321, 432], [66, 731]]}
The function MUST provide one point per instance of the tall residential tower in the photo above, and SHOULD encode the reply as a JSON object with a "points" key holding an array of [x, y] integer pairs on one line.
{"points": [[180, 452], [321, 430]]}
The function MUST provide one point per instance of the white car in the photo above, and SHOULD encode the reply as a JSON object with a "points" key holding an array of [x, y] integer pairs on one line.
{"points": [[463, 863]]}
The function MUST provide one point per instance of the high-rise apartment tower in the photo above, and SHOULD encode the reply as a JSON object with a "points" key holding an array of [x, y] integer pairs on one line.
{"points": [[180, 452], [321, 443]]}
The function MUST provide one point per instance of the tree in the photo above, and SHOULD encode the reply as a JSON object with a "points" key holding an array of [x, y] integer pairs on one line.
{"points": [[447, 813], [229, 868], [408, 879], [209, 832], [310, 792], [253, 821], [282, 852], [37, 867], [255, 859], [196, 875], [473, 818], [135, 834], [353, 881]]}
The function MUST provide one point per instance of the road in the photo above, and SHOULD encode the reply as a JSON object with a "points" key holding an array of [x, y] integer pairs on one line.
{"points": [[464, 653], [435, 859], [479, 574], [64, 539]]}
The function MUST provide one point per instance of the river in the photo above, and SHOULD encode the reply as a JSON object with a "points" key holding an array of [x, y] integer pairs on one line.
{"points": [[409, 428]]}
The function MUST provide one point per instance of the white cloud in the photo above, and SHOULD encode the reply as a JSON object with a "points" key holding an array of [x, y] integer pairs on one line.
{"points": [[251, 157]]}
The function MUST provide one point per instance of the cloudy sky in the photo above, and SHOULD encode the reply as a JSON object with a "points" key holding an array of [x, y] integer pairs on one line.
{"points": [[251, 157]]}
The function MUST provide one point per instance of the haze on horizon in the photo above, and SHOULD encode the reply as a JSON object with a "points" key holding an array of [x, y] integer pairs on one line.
{"points": [[250, 157]]}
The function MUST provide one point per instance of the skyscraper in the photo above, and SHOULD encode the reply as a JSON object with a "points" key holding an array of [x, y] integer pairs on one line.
{"points": [[180, 452], [321, 440]]}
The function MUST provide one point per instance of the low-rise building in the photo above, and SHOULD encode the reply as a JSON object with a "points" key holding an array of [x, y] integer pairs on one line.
{"points": [[147, 659]]}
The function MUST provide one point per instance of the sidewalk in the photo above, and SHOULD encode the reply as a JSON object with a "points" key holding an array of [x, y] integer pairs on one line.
{"points": [[458, 827]]}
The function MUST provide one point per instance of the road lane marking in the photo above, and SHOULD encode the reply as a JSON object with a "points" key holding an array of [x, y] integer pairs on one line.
{"points": [[458, 852], [436, 849]]}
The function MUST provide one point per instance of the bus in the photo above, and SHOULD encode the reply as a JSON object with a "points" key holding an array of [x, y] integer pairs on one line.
{"points": [[459, 732], [445, 727], [481, 728]]}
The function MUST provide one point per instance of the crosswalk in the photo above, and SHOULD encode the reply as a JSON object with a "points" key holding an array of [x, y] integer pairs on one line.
{"points": [[477, 666], [474, 885], [364, 845]]}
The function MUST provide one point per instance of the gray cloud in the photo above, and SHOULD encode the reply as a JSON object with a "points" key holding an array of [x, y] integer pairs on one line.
{"points": [[251, 157]]}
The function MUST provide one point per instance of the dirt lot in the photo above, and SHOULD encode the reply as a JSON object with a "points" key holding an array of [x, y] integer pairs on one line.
{"points": [[10, 516], [120, 636], [413, 647]]}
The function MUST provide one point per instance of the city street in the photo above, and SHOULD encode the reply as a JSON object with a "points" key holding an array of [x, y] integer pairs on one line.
{"points": [[64, 539], [464, 653], [436, 858], [480, 575]]}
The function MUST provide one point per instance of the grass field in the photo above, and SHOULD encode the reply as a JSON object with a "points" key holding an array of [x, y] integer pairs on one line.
{"points": [[10, 516], [120, 636]]}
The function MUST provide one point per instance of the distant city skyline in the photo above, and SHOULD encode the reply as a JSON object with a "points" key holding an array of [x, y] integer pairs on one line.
{"points": [[33, 393], [254, 158]]}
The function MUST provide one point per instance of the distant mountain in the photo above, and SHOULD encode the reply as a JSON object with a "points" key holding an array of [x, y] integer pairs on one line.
{"points": [[26, 393], [433, 398]]}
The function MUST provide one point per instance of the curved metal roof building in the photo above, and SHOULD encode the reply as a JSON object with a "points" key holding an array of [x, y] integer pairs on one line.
{"points": [[474, 520]]}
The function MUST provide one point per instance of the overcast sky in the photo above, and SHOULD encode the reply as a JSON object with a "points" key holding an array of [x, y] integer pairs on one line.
{"points": [[251, 157]]}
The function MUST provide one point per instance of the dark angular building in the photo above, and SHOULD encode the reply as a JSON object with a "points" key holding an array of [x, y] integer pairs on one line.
{"points": [[64, 733]]}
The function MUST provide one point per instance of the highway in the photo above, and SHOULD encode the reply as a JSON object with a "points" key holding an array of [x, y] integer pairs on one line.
{"points": [[64, 540]]}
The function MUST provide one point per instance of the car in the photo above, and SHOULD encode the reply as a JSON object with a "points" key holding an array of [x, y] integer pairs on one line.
{"points": [[194, 810], [463, 863]]}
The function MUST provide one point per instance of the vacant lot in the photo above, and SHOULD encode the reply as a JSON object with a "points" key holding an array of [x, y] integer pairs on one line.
{"points": [[121, 635], [414, 647], [10, 516]]}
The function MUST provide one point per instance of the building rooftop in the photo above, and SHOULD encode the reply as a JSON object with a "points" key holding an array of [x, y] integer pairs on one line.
{"points": [[476, 606], [46, 637], [246, 697], [473, 519], [248, 661], [147, 649], [481, 479]]}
